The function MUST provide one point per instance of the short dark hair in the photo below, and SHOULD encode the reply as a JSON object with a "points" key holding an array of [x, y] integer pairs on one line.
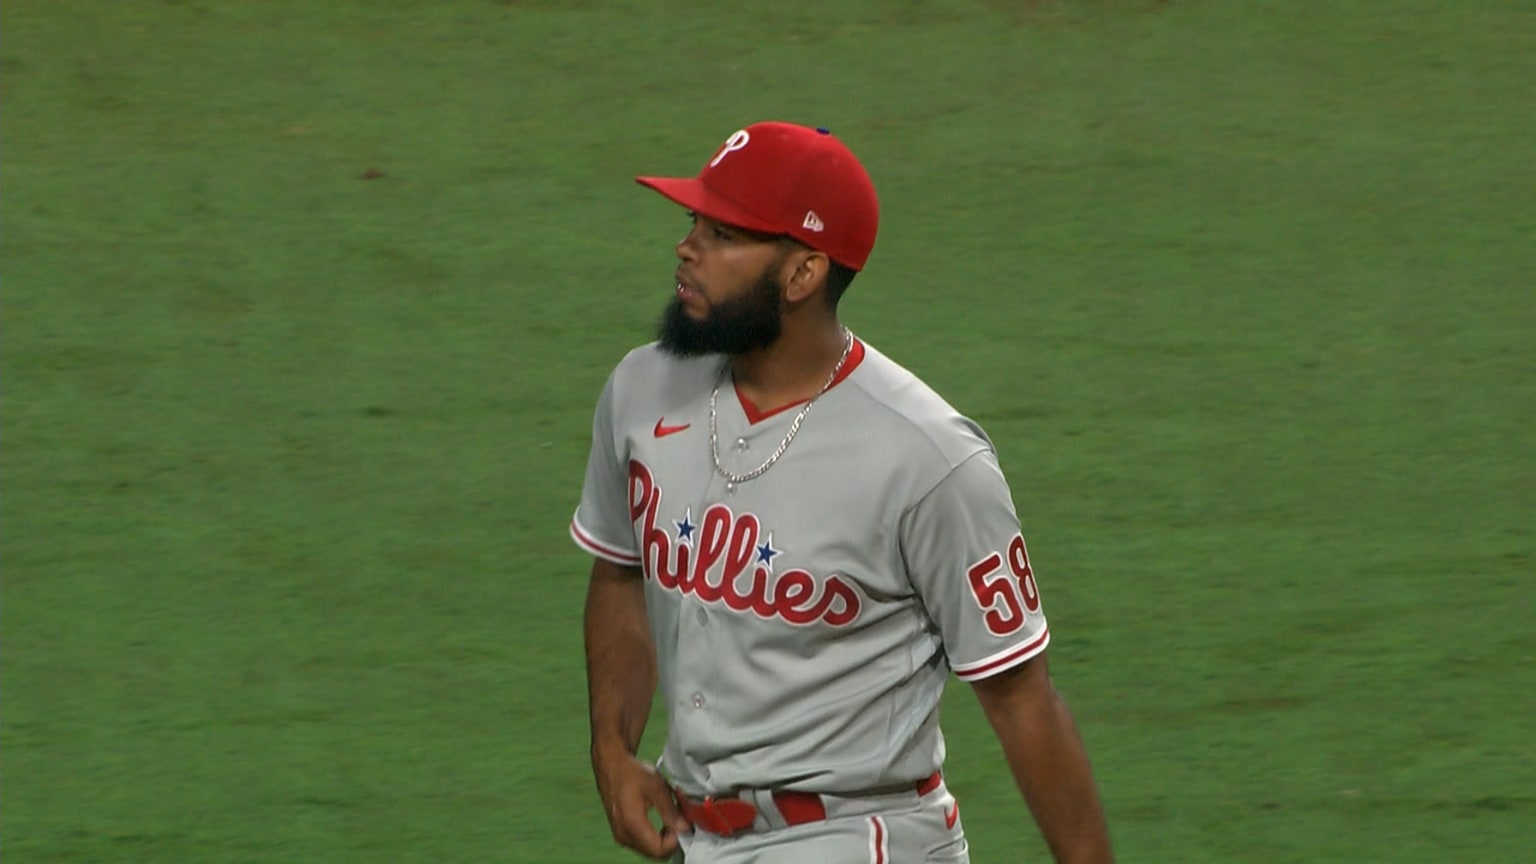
{"points": [[839, 277]]}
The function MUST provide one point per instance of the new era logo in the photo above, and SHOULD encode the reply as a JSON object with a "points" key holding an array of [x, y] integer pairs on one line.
{"points": [[812, 221]]}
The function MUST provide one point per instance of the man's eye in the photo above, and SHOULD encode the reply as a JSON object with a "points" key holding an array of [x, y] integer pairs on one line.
{"points": [[722, 234]]}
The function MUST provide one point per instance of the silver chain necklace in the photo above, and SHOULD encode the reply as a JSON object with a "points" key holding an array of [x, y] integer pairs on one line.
{"points": [[732, 480]]}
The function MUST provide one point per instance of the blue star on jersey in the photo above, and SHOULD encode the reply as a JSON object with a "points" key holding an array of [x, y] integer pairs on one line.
{"points": [[685, 527], [766, 552]]}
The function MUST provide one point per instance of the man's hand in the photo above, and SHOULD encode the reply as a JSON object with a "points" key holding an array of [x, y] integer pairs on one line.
{"points": [[631, 790]]}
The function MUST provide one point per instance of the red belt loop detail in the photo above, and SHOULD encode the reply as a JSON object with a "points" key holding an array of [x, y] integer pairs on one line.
{"points": [[722, 816], [798, 808], [930, 783]]}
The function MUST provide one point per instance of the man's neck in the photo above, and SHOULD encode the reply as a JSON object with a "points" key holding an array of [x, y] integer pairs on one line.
{"points": [[792, 369]]}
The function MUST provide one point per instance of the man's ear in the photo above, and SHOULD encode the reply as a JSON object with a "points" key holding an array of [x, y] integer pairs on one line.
{"points": [[806, 274]]}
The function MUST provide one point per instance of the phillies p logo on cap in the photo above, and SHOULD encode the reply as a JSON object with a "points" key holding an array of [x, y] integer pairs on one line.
{"points": [[738, 140], [782, 178]]}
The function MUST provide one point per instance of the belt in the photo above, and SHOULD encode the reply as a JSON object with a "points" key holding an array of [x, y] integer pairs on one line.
{"points": [[728, 815]]}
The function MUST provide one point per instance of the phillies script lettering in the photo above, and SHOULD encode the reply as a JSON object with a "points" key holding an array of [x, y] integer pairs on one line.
{"points": [[725, 563]]}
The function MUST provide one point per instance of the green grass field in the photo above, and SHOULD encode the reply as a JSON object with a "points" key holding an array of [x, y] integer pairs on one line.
{"points": [[1243, 291]]}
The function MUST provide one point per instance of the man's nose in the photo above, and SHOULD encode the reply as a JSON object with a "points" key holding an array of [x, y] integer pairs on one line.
{"points": [[686, 251]]}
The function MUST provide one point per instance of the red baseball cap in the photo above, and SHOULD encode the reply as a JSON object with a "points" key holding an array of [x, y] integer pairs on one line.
{"points": [[780, 178]]}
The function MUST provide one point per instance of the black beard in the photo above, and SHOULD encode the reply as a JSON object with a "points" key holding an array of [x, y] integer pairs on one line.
{"points": [[737, 326]]}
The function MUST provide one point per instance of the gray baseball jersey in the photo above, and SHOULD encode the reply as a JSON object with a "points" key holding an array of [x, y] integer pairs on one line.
{"points": [[805, 621]]}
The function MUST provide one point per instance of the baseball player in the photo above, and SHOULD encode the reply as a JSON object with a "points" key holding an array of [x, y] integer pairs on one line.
{"points": [[800, 541]]}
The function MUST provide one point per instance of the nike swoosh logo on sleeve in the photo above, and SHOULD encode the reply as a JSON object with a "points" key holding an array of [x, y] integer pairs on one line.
{"points": [[662, 430]]}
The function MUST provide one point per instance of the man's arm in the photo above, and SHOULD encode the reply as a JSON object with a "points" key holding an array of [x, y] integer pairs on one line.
{"points": [[1048, 760], [621, 679]]}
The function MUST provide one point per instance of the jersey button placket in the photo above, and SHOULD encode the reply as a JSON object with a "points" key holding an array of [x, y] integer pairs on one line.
{"points": [[741, 446]]}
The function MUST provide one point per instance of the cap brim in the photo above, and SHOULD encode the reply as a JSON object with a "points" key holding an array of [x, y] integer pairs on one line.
{"points": [[691, 192]]}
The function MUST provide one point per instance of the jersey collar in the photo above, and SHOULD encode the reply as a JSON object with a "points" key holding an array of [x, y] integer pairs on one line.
{"points": [[756, 415]]}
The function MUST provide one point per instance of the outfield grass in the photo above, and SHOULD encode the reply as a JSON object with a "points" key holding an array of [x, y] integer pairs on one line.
{"points": [[1242, 290]]}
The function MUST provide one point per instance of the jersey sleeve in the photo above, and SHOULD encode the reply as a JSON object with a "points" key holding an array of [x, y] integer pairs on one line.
{"points": [[966, 557], [601, 525]]}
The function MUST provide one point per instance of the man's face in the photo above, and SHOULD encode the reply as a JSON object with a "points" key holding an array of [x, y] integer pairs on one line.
{"points": [[728, 294]]}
